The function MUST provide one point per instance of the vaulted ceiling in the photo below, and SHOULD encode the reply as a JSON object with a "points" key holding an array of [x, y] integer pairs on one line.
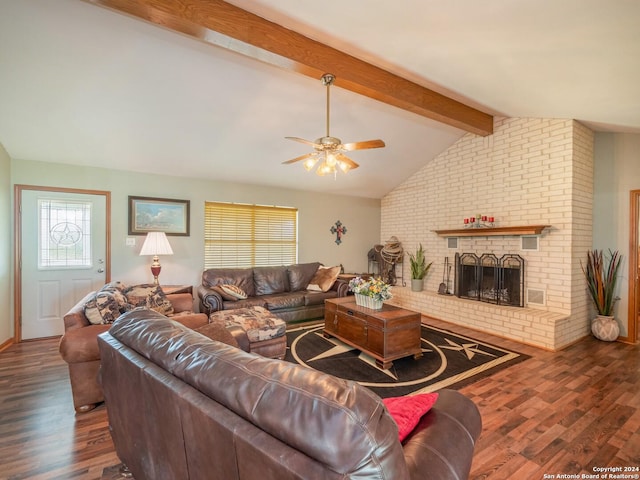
{"points": [[192, 92]]}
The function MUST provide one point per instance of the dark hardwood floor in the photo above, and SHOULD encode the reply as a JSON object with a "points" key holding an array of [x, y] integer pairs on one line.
{"points": [[40, 435], [557, 413]]}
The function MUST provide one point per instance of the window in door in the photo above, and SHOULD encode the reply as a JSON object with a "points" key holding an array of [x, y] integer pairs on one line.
{"points": [[64, 234]]}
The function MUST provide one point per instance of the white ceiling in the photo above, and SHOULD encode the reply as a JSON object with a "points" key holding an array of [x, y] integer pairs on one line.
{"points": [[83, 85]]}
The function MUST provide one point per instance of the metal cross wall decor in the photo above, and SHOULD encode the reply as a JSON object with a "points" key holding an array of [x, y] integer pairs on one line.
{"points": [[338, 229]]}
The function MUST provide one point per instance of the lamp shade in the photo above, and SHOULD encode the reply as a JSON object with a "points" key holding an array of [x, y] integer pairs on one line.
{"points": [[156, 243]]}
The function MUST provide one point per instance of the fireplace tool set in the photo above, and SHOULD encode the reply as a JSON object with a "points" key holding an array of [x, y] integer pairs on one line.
{"points": [[443, 289]]}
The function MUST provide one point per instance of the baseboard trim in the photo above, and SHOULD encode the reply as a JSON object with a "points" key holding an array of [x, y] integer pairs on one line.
{"points": [[6, 345]]}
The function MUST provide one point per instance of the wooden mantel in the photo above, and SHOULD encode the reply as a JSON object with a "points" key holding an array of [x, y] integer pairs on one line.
{"points": [[493, 231]]}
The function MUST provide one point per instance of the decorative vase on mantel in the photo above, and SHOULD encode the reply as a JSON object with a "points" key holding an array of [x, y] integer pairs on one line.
{"points": [[605, 328]]}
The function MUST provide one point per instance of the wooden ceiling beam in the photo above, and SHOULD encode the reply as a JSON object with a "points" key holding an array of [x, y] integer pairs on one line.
{"points": [[219, 23]]}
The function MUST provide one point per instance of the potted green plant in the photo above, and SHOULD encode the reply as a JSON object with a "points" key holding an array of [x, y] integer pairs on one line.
{"points": [[419, 269], [601, 273]]}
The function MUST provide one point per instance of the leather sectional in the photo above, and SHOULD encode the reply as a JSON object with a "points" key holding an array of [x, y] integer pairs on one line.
{"points": [[181, 405], [281, 290], [79, 347]]}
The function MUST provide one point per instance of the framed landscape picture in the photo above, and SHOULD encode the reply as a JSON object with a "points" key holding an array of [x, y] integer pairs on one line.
{"points": [[168, 215]]}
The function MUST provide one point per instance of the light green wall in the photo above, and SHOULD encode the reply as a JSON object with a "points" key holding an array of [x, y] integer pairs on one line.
{"points": [[317, 213], [6, 313], [616, 173]]}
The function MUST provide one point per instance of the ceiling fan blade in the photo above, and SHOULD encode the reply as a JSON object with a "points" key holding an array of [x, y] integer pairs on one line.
{"points": [[362, 145], [306, 142], [347, 163], [301, 157]]}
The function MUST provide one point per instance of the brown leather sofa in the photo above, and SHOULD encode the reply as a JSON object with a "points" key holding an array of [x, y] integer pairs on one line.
{"points": [[281, 290], [79, 347], [183, 406]]}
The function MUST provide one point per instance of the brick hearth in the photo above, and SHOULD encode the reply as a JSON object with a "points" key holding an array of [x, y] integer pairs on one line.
{"points": [[529, 172], [526, 325]]}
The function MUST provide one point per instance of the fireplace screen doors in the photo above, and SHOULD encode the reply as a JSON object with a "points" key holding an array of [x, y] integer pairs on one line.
{"points": [[490, 279]]}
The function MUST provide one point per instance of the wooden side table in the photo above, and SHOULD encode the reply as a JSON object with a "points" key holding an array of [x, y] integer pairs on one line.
{"points": [[168, 289], [349, 276]]}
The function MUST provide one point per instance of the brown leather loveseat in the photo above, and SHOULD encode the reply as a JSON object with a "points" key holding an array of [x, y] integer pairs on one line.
{"points": [[79, 346], [282, 290], [182, 406]]}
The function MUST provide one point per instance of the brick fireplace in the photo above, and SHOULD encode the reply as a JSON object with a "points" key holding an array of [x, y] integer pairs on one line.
{"points": [[530, 171]]}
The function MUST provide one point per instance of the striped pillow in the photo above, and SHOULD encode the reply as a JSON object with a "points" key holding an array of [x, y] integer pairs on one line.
{"points": [[234, 291]]}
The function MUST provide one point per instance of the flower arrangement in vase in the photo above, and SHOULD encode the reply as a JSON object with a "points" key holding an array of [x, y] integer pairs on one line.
{"points": [[370, 293]]}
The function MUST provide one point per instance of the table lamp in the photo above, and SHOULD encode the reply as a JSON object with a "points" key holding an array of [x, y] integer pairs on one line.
{"points": [[156, 244]]}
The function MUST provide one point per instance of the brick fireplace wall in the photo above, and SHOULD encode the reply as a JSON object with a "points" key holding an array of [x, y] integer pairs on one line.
{"points": [[529, 172]]}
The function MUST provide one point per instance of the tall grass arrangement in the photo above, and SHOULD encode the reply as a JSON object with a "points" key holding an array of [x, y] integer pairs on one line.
{"points": [[601, 274]]}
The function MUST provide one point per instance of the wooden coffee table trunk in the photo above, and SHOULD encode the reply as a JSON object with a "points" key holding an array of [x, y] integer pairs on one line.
{"points": [[386, 334]]}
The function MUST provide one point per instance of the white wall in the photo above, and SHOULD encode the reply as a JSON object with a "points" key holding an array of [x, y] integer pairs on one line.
{"points": [[529, 172], [6, 313], [317, 213], [616, 173]]}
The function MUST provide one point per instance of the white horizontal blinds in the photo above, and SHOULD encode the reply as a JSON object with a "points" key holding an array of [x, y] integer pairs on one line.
{"points": [[239, 235]]}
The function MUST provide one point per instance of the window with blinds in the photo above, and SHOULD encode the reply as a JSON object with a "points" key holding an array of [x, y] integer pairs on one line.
{"points": [[240, 235]]}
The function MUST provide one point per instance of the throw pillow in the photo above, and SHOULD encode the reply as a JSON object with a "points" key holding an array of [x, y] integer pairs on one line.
{"points": [[234, 291], [324, 279], [107, 304], [407, 411], [300, 275], [225, 296], [149, 296], [91, 310]]}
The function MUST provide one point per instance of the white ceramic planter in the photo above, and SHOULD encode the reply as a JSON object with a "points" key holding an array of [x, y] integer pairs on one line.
{"points": [[368, 302], [417, 285], [605, 328]]}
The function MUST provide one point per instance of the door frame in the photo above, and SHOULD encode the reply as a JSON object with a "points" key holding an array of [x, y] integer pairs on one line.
{"points": [[634, 225], [17, 244]]}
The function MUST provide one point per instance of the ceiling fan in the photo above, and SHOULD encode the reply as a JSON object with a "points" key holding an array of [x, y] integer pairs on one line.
{"points": [[329, 149]]}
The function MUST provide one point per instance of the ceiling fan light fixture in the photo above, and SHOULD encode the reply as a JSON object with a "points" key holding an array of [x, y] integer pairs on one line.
{"points": [[330, 159], [344, 167], [325, 169], [331, 147], [309, 163]]}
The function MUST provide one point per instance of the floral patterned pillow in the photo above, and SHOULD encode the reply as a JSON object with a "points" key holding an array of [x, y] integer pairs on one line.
{"points": [[149, 296], [107, 304]]}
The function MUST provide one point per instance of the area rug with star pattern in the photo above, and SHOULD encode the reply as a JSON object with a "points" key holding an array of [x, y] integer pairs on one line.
{"points": [[449, 360]]}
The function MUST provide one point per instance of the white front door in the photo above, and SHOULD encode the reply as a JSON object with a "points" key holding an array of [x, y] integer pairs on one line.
{"points": [[63, 245]]}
